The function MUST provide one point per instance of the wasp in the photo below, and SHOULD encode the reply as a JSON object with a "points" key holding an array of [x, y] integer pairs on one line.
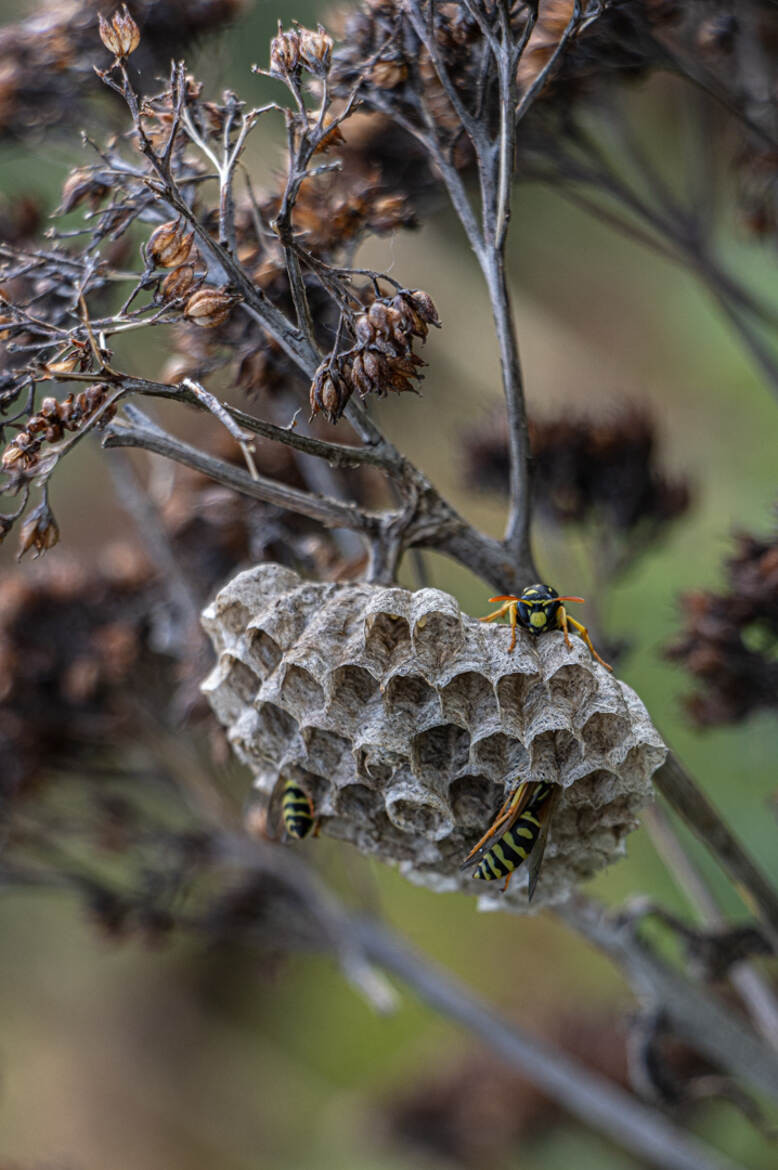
{"points": [[292, 808], [519, 831], [539, 608]]}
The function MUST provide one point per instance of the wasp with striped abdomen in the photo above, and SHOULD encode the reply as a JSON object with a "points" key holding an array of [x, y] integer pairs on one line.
{"points": [[519, 832], [291, 814], [539, 608]]}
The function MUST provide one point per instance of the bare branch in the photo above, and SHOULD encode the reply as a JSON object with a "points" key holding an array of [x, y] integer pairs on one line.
{"points": [[331, 513], [595, 1101]]}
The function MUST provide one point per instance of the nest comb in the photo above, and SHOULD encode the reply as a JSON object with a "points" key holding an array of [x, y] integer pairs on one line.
{"points": [[407, 722]]}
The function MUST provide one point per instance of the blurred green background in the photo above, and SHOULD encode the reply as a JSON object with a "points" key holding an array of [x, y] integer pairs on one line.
{"points": [[186, 1059]]}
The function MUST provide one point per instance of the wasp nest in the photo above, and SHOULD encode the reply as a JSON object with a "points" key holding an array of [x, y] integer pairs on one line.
{"points": [[407, 722]]}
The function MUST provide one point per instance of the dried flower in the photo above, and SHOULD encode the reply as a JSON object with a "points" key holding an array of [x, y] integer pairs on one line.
{"points": [[285, 53], [210, 307], [178, 283], [170, 244], [39, 531], [122, 36], [730, 643], [51, 421], [330, 392], [315, 50], [585, 468]]}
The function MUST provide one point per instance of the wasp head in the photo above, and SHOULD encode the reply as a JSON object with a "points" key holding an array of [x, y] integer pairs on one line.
{"points": [[538, 608]]}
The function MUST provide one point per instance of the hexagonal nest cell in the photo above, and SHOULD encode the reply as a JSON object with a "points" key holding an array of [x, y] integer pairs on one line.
{"points": [[411, 722]]}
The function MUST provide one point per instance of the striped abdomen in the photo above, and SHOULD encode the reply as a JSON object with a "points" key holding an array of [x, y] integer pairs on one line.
{"points": [[516, 844], [297, 811]]}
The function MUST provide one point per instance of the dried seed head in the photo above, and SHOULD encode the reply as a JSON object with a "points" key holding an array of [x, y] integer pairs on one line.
{"points": [[424, 305], [178, 283], [388, 73], [316, 50], [388, 213], [285, 53], [81, 186], [122, 36], [405, 722], [210, 307], [39, 531], [170, 244], [330, 392]]}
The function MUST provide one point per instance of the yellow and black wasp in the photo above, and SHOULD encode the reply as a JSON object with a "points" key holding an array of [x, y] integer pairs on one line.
{"points": [[539, 608], [292, 811], [519, 832]]}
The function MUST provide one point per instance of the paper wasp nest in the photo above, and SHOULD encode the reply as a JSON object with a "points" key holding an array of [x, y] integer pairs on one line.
{"points": [[406, 722]]}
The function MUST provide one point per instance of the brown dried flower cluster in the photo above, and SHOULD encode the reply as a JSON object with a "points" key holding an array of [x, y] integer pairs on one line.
{"points": [[49, 424], [80, 645], [601, 469], [730, 643], [46, 62], [300, 48], [120, 35], [382, 361]]}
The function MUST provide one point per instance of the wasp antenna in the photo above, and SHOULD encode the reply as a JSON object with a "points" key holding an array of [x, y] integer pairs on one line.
{"points": [[507, 597], [581, 599]]}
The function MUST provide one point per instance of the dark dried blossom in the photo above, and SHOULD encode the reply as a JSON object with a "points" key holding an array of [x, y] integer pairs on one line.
{"points": [[39, 531], [121, 36], [46, 62], [83, 649], [178, 283], [49, 424], [210, 307], [316, 50], [330, 392], [730, 643], [170, 244], [585, 469], [382, 361], [285, 53], [475, 1113]]}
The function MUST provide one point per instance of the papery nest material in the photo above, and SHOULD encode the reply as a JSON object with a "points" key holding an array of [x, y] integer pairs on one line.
{"points": [[406, 722]]}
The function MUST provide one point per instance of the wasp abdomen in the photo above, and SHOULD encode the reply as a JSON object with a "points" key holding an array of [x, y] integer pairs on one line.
{"points": [[514, 847], [297, 811]]}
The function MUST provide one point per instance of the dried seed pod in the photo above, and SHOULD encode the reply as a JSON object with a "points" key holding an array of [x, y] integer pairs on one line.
{"points": [[316, 50], [121, 36], [39, 531], [178, 282], [330, 392], [388, 73], [210, 307], [285, 53], [170, 244], [406, 722]]}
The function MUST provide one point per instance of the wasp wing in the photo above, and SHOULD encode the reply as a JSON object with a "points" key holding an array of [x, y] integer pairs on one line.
{"points": [[545, 814], [518, 800]]}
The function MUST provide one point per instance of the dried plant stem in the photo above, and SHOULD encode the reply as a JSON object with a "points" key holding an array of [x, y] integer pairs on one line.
{"points": [[594, 1100], [693, 806], [331, 513], [693, 1012], [754, 991]]}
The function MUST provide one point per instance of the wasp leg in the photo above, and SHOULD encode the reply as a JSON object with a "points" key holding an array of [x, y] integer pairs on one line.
{"points": [[511, 608], [498, 613], [317, 827], [504, 815], [584, 633], [508, 880]]}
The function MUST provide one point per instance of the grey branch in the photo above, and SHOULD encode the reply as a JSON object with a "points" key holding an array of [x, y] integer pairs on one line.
{"points": [[588, 1096], [331, 513], [694, 1013]]}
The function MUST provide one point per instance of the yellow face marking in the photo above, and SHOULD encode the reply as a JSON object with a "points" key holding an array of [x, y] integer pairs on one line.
{"points": [[537, 619]]}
